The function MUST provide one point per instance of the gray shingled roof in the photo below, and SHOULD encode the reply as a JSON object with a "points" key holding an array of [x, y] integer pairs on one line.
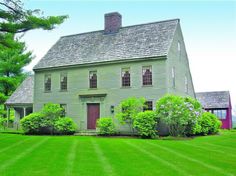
{"points": [[132, 42], [219, 99], [23, 94]]}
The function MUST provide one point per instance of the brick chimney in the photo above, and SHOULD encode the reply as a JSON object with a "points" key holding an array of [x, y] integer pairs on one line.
{"points": [[112, 22]]}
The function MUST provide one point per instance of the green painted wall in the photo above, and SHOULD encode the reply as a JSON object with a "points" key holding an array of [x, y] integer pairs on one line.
{"points": [[179, 60], [109, 82]]}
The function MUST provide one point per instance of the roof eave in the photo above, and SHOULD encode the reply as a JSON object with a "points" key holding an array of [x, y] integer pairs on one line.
{"points": [[103, 63]]}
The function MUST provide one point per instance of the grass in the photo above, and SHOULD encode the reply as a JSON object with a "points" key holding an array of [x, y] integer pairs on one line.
{"points": [[77, 155]]}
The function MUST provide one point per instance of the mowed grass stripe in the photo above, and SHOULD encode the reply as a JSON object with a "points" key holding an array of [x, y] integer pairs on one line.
{"points": [[221, 152], [23, 153], [209, 166], [86, 162], [71, 157], [104, 162], [222, 146], [125, 159], [13, 145], [158, 158]]}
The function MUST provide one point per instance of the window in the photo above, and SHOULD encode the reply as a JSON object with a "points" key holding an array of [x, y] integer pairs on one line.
{"points": [[125, 76], [220, 113], [147, 75], [63, 113], [186, 84], [47, 83], [179, 50], [63, 81], [93, 79], [173, 76], [148, 106]]}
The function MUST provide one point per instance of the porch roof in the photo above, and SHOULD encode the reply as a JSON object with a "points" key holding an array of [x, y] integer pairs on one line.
{"points": [[23, 95]]}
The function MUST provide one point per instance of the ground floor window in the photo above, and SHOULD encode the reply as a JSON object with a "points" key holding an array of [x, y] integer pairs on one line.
{"points": [[220, 113], [63, 113], [148, 106]]}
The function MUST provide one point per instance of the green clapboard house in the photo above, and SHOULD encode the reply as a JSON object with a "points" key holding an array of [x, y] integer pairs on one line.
{"points": [[90, 73]]}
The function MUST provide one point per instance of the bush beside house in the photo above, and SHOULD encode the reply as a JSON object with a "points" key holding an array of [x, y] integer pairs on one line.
{"points": [[180, 114], [48, 121], [105, 126], [145, 124], [207, 123]]}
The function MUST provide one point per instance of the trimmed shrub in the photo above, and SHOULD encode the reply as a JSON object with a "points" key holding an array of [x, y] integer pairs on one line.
{"points": [[208, 123], [46, 120], [145, 123], [105, 126], [31, 124], [64, 125], [178, 113]]}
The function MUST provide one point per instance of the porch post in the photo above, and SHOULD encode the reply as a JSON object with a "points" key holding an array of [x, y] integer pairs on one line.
{"points": [[24, 111], [8, 115]]}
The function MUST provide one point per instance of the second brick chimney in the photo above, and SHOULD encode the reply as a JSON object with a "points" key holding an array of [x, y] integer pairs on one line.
{"points": [[113, 22]]}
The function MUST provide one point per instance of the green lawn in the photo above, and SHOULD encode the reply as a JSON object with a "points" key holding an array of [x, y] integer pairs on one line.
{"points": [[77, 155]]}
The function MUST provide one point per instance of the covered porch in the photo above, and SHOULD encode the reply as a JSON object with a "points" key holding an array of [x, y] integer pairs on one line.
{"points": [[21, 101]]}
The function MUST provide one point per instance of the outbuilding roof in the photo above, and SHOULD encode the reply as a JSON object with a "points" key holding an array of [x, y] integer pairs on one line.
{"points": [[23, 94], [131, 42], [214, 100]]}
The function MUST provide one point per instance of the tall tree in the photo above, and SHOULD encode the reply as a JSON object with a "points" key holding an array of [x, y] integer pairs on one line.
{"points": [[15, 20]]}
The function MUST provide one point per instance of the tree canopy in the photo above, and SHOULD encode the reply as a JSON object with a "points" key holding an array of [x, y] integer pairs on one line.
{"points": [[15, 20]]}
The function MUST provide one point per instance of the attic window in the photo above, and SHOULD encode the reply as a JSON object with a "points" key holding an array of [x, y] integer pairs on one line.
{"points": [[179, 50], [178, 46], [125, 76], [186, 84], [93, 79], [173, 76], [147, 75], [47, 83]]}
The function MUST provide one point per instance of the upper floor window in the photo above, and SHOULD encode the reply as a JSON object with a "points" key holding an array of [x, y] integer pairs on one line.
{"points": [[63, 113], [125, 74], [220, 113], [63, 81], [147, 75], [186, 84], [93, 79], [47, 83], [148, 106], [173, 76]]}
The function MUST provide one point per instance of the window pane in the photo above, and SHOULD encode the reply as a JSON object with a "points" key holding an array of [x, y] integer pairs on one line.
{"points": [[125, 74], [93, 79], [224, 113], [63, 106], [147, 75], [47, 83], [63, 81], [148, 106]]}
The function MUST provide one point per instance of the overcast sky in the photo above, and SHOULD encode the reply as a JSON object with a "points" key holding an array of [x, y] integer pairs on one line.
{"points": [[209, 30]]}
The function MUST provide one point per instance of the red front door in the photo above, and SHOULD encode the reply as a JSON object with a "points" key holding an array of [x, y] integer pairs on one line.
{"points": [[92, 115]]}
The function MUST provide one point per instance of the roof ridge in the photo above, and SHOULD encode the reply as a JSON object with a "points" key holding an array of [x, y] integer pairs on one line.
{"points": [[142, 24]]}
